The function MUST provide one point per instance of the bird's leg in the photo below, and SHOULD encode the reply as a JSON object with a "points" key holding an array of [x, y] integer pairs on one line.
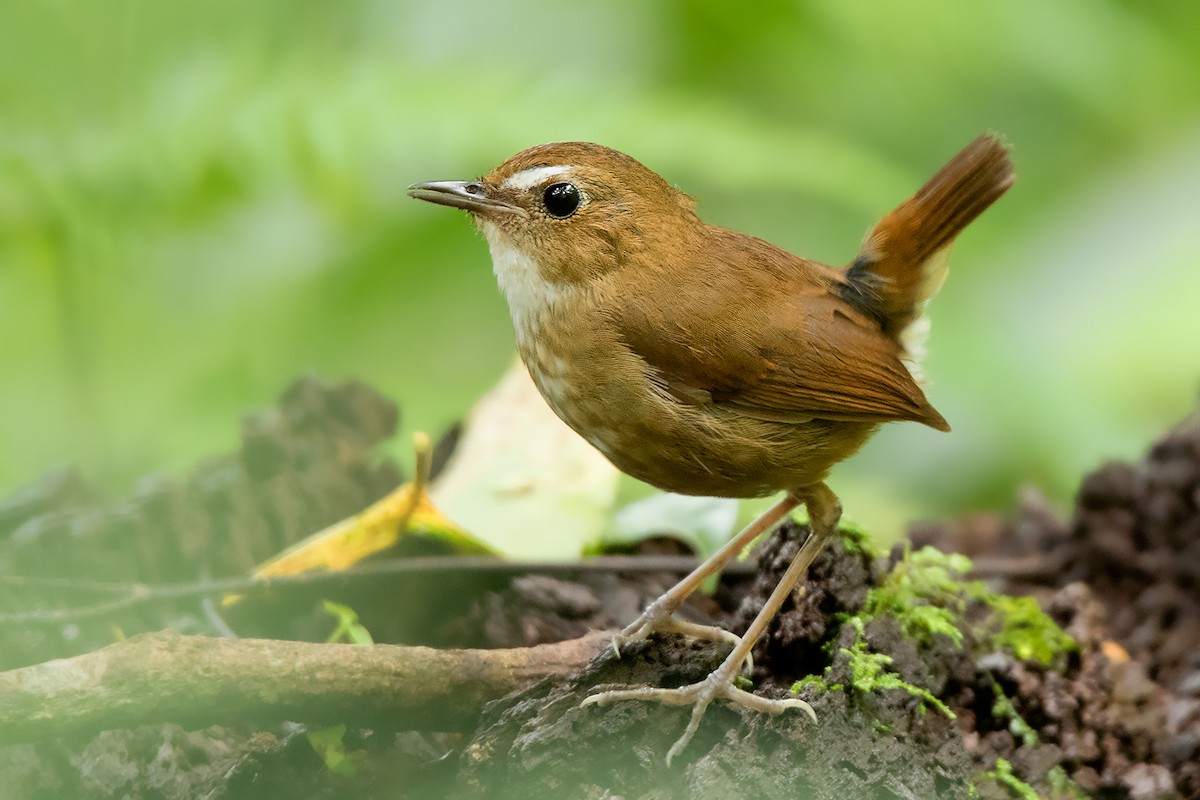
{"points": [[824, 511], [659, 615]]}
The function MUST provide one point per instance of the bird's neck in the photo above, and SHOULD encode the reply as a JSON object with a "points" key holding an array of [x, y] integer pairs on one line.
{"points": [[531, 296]]}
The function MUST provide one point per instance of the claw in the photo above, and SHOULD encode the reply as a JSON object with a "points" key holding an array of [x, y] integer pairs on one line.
{"points": [[618, 641], [701, 694]]}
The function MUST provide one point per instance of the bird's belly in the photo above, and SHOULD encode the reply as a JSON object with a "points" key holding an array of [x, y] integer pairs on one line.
{"points": [[690, 449]]}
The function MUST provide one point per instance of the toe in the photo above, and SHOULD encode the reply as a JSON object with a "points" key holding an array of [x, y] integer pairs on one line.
{"points": [[668, 697], [766, 705]]}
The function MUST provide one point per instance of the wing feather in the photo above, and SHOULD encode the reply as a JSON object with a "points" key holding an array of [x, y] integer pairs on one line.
{"points": [[794, 351]]}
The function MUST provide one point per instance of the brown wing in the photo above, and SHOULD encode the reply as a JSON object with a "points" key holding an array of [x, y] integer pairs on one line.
{"points": [[792, 351]]}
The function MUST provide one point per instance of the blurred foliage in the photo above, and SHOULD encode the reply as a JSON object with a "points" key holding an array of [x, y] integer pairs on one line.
{"points": [[349, 629], [704, 523], [200, 201]]}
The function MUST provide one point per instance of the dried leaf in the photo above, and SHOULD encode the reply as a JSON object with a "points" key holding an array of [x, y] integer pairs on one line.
{"points": [[380, 526], [403, 512]]}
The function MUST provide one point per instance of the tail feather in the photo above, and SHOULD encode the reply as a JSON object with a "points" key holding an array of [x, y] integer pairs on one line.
{"points": [[903, 262]]}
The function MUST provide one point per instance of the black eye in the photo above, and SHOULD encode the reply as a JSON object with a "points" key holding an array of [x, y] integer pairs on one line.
{"points": [[562, 200]]}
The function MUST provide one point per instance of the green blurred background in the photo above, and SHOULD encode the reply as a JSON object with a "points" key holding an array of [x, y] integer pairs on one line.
{"points": [[201, 201]]}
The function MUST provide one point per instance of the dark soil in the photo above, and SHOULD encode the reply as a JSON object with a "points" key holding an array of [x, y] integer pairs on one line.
{"points": [[1120, 717], [1098, 718], [534, 742], [1132, 544]]}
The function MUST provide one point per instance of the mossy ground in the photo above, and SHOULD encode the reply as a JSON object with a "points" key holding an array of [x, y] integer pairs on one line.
{"points": [[927, 595], [921, 634], [1044, 700]]}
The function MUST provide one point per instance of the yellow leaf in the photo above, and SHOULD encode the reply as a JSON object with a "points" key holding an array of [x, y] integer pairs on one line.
{"points": [[380, 526], [403, 512]]}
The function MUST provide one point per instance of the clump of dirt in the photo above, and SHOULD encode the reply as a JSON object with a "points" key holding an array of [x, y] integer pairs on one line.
{"points": [[836, 587], [301, 466], [543, 742], [1086, 721], [1116, 715], [1104, 717], [883, 748], [1124, 570], [538, 609]]}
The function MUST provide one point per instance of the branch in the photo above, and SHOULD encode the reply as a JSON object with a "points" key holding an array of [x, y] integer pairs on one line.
{"points": [[121, 596], [197, 681]]}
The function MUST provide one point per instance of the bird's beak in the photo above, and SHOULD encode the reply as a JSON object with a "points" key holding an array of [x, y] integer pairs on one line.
{"points": [[470, 196]]}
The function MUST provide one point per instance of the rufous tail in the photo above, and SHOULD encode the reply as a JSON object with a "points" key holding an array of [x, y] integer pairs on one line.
{"points": [[903, 261]]}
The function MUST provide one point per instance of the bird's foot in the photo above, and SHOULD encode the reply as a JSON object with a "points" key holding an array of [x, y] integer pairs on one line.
{"points": [[658, 618], [718, 684]]}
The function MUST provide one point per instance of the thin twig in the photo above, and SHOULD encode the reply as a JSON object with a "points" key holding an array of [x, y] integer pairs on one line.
{"points": [[128, 595]]}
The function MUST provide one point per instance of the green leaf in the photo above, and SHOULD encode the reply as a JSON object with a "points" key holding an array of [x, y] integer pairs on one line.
{"points": [[348, 629], [328, 744], [703, 523]]}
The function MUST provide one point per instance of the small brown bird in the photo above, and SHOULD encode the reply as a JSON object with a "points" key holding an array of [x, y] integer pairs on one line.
{"points": [[708, 362]]}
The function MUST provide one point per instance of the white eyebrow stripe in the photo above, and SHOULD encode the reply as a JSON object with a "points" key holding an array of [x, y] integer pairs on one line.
{"points": [[528, 178]]}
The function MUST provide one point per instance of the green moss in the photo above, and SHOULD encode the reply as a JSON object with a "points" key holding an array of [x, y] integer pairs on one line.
{"points": [[869, 673], [924, 594], [1003, 774], [811, 681], [927, 595], [1063, 787], [1003, 708], [1021, 627], [817, 684], [856, 539]]}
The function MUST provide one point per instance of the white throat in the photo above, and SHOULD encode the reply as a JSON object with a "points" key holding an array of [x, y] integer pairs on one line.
{"points": [[530, 296]]}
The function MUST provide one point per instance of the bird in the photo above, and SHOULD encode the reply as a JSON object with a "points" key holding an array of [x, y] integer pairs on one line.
{"points": [[709, 362]]}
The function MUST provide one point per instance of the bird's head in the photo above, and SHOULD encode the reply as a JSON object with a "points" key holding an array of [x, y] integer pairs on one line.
{"points": [[572, 211]]}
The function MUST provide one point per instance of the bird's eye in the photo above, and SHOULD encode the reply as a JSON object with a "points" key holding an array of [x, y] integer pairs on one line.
{"points": [[562, 200]]}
